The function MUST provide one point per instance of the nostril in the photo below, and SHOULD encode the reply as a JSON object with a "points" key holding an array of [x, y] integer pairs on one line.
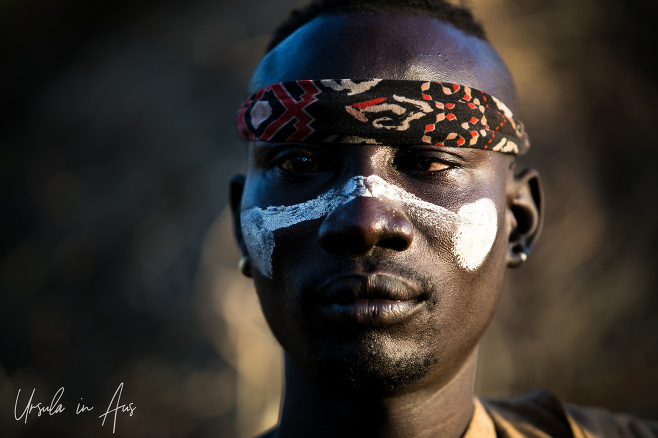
{"points": [[346, 240], [394, 243]]}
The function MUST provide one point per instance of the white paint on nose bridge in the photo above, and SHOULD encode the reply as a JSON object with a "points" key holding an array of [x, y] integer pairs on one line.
{"points": [[476, 223]]}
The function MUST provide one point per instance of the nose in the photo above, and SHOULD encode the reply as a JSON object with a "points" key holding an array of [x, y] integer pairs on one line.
{"points": [[364, 223]]}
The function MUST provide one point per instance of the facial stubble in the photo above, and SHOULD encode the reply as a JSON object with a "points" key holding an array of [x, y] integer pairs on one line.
{"points": [[373, 361]]}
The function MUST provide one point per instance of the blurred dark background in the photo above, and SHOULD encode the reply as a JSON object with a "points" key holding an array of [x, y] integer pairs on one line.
{"points": [[117, 262]]}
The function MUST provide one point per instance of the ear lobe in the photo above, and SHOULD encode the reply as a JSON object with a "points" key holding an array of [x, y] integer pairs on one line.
{"points": [[526, 206], [236, 188]]}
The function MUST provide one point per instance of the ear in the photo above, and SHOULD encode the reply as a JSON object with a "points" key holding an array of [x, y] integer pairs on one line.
{"points": [[236, 187], [525, 201]]}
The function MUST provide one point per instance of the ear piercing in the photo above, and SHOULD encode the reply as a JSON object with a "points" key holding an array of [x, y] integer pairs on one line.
{"points": [[517, 256], [523, 256], [245, 267]]}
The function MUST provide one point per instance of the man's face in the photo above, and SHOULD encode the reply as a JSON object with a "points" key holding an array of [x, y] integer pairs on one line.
{"points": [[386, 264]]}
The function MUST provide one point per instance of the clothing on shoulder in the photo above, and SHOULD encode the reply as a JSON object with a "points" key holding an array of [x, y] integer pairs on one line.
{"points": [[542, 415]]}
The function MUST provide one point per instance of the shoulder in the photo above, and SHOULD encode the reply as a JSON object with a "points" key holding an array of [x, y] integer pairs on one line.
{"points": [[540, 414], [594, 423]]}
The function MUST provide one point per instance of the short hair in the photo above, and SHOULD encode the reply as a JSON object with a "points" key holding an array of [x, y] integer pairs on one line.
{"points": [[458, 16]]}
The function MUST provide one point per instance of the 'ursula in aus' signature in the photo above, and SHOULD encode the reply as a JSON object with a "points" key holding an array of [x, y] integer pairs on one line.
{"points": [[56, 407]]}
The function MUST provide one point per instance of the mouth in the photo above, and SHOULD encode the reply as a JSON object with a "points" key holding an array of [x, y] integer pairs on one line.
{"points": [[369, 300]]}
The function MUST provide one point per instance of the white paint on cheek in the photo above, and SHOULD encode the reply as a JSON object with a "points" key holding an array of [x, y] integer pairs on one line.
{"points": [[475, 223], [475, 234]]}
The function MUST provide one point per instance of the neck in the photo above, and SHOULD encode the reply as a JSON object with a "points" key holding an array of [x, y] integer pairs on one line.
{"points": [[441, 410]]}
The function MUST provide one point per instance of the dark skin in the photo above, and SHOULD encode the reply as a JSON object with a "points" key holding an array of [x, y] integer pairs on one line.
{"points": [[410, 376]]}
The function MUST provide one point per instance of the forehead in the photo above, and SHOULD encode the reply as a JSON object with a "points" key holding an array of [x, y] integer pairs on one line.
{"points": [[386, 46]]}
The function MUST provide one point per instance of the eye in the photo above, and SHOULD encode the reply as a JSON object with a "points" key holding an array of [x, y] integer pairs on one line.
{"points": [[429, 164], [424, 163], [301, 162]]}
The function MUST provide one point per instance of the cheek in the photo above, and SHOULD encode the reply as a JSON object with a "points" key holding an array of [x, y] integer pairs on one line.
{"points": [[259, 241], [469, 234], [477, 226], [258, 226]]}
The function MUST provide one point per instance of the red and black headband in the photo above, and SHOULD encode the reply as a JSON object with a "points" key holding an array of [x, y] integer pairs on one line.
{"points": [[380, 111]]}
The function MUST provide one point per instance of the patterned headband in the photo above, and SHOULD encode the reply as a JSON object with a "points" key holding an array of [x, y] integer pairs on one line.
{"points": [[380, 111]]}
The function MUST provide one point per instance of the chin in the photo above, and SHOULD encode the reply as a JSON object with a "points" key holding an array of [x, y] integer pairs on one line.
{"points": [[371, 368]]}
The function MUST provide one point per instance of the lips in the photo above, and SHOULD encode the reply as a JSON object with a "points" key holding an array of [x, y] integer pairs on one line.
{"points": [[369, 300]]}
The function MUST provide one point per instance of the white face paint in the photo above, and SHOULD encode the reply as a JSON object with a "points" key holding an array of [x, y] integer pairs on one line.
{"points": [[475, 225]]}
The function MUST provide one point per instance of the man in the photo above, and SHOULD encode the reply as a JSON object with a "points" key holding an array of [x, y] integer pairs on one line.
{"points": [[379, 212]]}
